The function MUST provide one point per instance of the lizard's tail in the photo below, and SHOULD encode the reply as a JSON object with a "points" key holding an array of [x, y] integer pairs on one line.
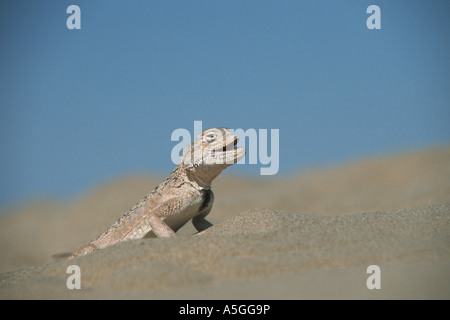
{"points": [[63, 256], [84, 250]]}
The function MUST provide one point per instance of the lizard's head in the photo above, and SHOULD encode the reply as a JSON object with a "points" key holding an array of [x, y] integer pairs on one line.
{"points": [[212, 151]]}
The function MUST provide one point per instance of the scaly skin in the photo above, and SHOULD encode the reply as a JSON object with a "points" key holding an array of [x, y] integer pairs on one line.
{"points": [[186, 194]]}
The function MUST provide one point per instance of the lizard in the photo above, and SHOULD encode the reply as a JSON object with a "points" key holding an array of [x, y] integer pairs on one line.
{"points": [[184, 195]]}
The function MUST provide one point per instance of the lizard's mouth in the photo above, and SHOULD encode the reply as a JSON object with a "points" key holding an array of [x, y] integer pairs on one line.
{"points": [[228, 154], [228, 147]]}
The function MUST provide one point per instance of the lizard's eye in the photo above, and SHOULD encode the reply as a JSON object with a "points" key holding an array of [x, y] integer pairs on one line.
{"points": [[210, 137]]}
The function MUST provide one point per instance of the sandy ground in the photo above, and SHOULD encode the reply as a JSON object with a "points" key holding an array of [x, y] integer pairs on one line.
{"points": [[306, 236]]}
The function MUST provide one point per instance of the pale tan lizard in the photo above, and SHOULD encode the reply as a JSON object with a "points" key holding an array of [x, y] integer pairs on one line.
{"points": [[186, 194]]}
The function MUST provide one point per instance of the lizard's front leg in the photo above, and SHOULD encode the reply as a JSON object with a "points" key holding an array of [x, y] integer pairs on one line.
{"points": [[199, 221], [159, 227], [170, 207]]}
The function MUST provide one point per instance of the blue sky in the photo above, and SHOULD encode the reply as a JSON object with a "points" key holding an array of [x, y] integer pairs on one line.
{"points": [[79, 107]]}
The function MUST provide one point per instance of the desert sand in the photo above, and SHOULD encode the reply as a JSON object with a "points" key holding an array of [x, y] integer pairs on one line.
{"points": [[311, 235]]}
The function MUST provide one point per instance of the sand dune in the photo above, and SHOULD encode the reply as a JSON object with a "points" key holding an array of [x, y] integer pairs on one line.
{"points": [[313, 237]]}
